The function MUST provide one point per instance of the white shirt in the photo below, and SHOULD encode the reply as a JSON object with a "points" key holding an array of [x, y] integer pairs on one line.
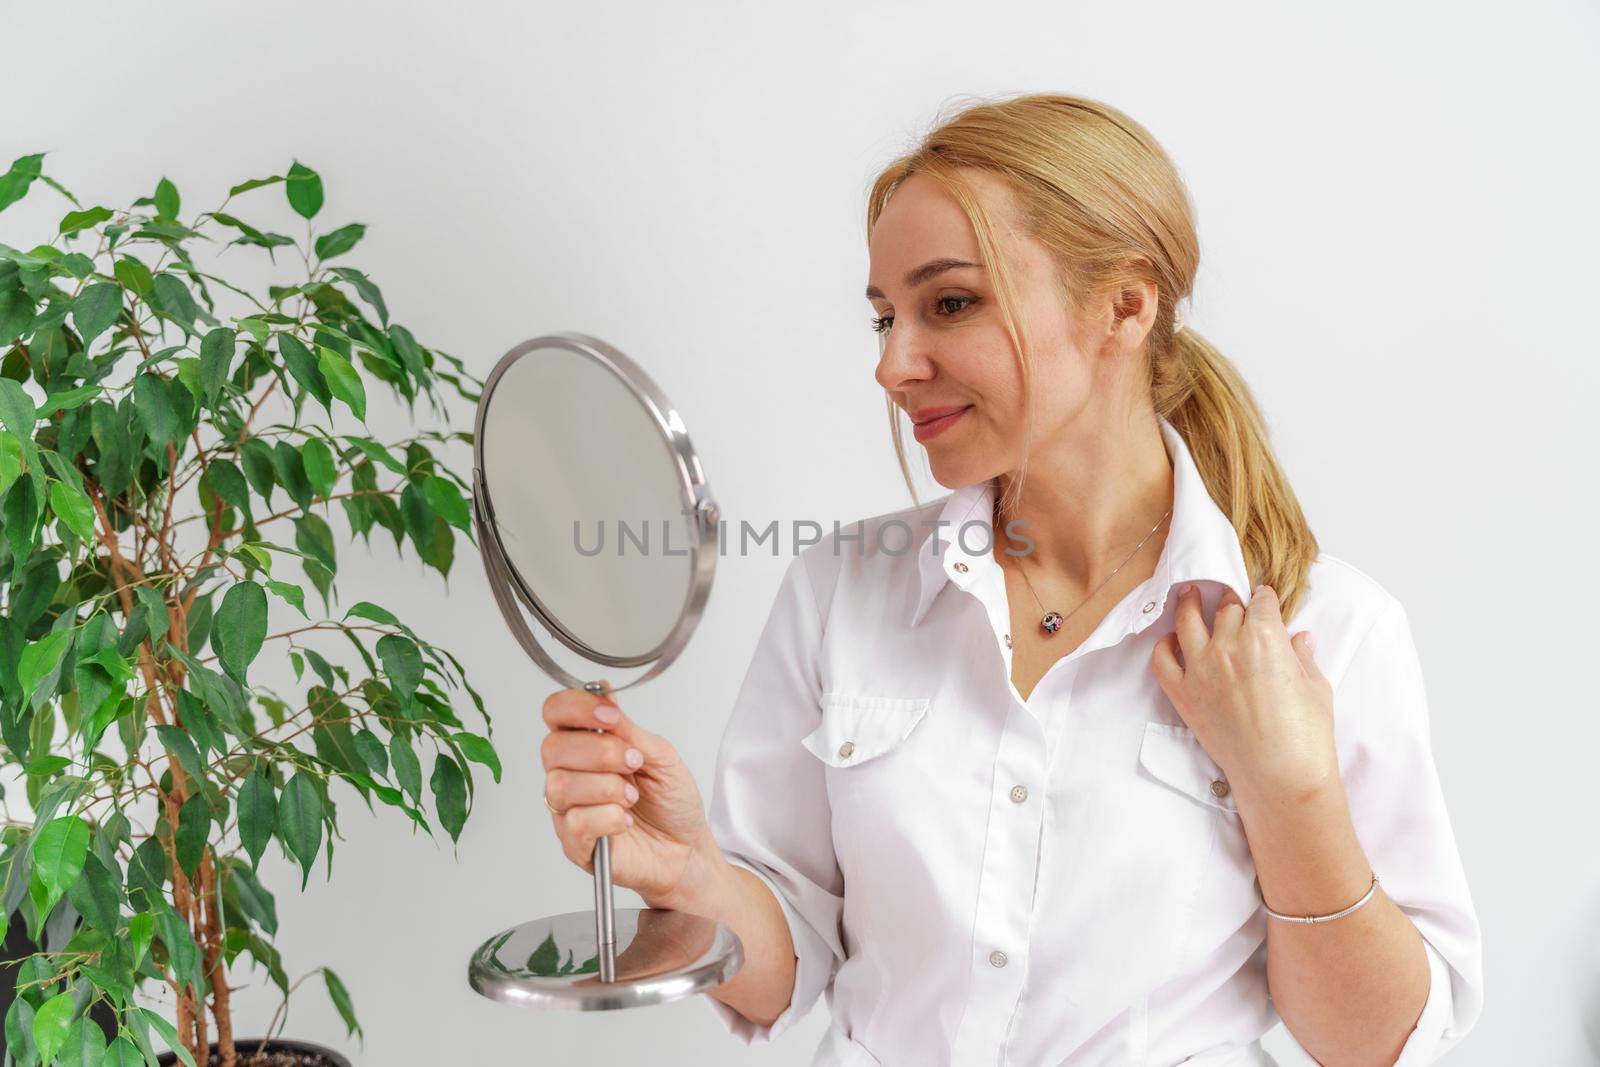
{"points": [[975, 878]]}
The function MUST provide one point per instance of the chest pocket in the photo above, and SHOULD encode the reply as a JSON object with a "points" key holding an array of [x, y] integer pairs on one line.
{"points": [[1175, 757], [857, 728]]}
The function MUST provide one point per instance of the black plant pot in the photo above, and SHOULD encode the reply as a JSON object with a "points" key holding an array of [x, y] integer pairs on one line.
{"points": [[280, 1052]]}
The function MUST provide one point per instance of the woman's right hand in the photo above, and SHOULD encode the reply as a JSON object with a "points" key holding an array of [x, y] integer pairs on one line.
{"points": [[651, 809]]}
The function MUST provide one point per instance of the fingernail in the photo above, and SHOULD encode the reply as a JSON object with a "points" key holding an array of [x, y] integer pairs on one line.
{"points": [[629, 818], [630, 792], [633, 757], [606, 713]]}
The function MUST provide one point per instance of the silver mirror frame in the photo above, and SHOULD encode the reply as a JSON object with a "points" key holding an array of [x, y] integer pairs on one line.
{"points": [[509, 587]]}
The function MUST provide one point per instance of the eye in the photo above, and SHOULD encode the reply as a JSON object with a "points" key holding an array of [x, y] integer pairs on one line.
{"points": [[882, 324]]}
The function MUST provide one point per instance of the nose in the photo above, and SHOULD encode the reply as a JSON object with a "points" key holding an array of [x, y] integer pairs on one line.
{"points": [[900, 361]]}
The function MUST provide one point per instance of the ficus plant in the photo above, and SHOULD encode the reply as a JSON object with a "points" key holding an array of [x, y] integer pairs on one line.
{"points": [[172, 445]]}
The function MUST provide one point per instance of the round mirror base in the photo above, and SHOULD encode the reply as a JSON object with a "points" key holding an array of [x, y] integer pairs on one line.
{"points": [[553, 963]]}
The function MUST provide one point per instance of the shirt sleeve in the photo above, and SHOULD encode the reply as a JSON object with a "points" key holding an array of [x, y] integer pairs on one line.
{"points": [[769, 809], [1398, 808]]}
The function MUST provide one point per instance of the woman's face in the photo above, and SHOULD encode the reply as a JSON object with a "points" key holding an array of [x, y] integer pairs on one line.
{"points": [[945, 347]]}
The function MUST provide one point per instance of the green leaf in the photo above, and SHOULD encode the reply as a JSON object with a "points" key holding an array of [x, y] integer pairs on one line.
{"points": [[141, 928], [97, 895], [254, 900], [216, 356], [50, 1026], [17, 411], [319, 466], [300, 820], [14, 183], [134, 276], [341, 1000], [303, 367], [72, 504], [152, 398], [123, 1053], [86, 1044], [40, 659], [377, 453], [450, 794], [256, 455], [343, 380], [58, 853], [339, 241], [194, 828], [407, 769], [166, 199], [290, 594], [313, 537], [226, 481], [171, 297], [10, 460], [445, 499], [402, 662], [365, 609], [291, 472], [258, 814], [253, 183], [479, 750], [182, 747], [147, 874], [74, 221], [95, 309], [169, 1034], [372, 752], [241, 627], [305, 190]]}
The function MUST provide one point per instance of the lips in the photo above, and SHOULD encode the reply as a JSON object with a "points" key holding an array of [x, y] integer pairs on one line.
{"points": [[922, 415]]}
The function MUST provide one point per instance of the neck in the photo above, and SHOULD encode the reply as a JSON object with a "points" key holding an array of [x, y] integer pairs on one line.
{"points": [[1087, 500]]}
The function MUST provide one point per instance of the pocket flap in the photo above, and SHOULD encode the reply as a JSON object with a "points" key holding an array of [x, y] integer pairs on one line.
{"points": [[1175, 756], [857, 727]]}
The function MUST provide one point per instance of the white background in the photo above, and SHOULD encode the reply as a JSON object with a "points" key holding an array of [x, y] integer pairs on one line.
{"points": [[1398, 215]]}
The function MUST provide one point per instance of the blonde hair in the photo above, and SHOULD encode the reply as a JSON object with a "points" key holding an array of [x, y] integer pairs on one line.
{"points": [[1096, 189]]}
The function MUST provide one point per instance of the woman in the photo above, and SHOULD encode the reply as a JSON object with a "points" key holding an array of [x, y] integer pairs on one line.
{"points": [[1035, 773]]}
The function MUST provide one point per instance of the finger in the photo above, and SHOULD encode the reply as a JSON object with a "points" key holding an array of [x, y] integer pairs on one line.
{"points": [[597, 711], [574, 708], [1264, 606], [585, 750], [1165, 666], [1229, 615], [1304, 644], [564, 788], [584, 826], [1190, 625]]}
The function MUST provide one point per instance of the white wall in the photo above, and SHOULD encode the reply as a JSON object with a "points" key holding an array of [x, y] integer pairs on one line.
{"points": [[1399, 224]]}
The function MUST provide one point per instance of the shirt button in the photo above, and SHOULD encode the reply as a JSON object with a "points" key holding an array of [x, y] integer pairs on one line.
{"points": [[847, 748], [997, 958], [962, 567], [1150, 607], [1219, 788], [1019, 793]]}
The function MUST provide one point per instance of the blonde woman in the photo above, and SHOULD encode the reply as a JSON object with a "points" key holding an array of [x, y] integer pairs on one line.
{"points": [[1037, 773]]}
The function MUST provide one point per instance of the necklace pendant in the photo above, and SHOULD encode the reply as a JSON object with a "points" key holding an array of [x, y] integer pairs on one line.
{"points": [[1051, 622]]}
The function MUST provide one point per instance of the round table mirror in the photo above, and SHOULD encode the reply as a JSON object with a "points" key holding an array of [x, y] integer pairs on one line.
{"points": [[595, 520]]}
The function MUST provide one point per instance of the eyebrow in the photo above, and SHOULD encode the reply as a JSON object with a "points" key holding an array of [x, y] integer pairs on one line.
{"points": [[921, 274]]}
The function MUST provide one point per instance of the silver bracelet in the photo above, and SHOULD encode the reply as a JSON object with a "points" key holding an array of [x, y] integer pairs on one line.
{"points": [[1325, 918]]}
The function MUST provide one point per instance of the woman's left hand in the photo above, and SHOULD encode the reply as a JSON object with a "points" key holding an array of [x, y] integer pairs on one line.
{"points": [[1254, 697]]}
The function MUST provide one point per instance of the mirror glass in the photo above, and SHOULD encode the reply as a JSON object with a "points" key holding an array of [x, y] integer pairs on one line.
{"points": [[588, 501]]}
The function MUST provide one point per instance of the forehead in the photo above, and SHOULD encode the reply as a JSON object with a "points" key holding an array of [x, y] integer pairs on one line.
{"points": [[923, 221]]}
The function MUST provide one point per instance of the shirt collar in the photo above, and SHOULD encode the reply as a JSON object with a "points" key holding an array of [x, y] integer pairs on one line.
{"points": [[1201, 541]]}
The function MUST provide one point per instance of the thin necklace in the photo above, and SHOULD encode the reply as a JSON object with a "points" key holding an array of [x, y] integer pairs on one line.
{"points": [[1054, 620]]}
